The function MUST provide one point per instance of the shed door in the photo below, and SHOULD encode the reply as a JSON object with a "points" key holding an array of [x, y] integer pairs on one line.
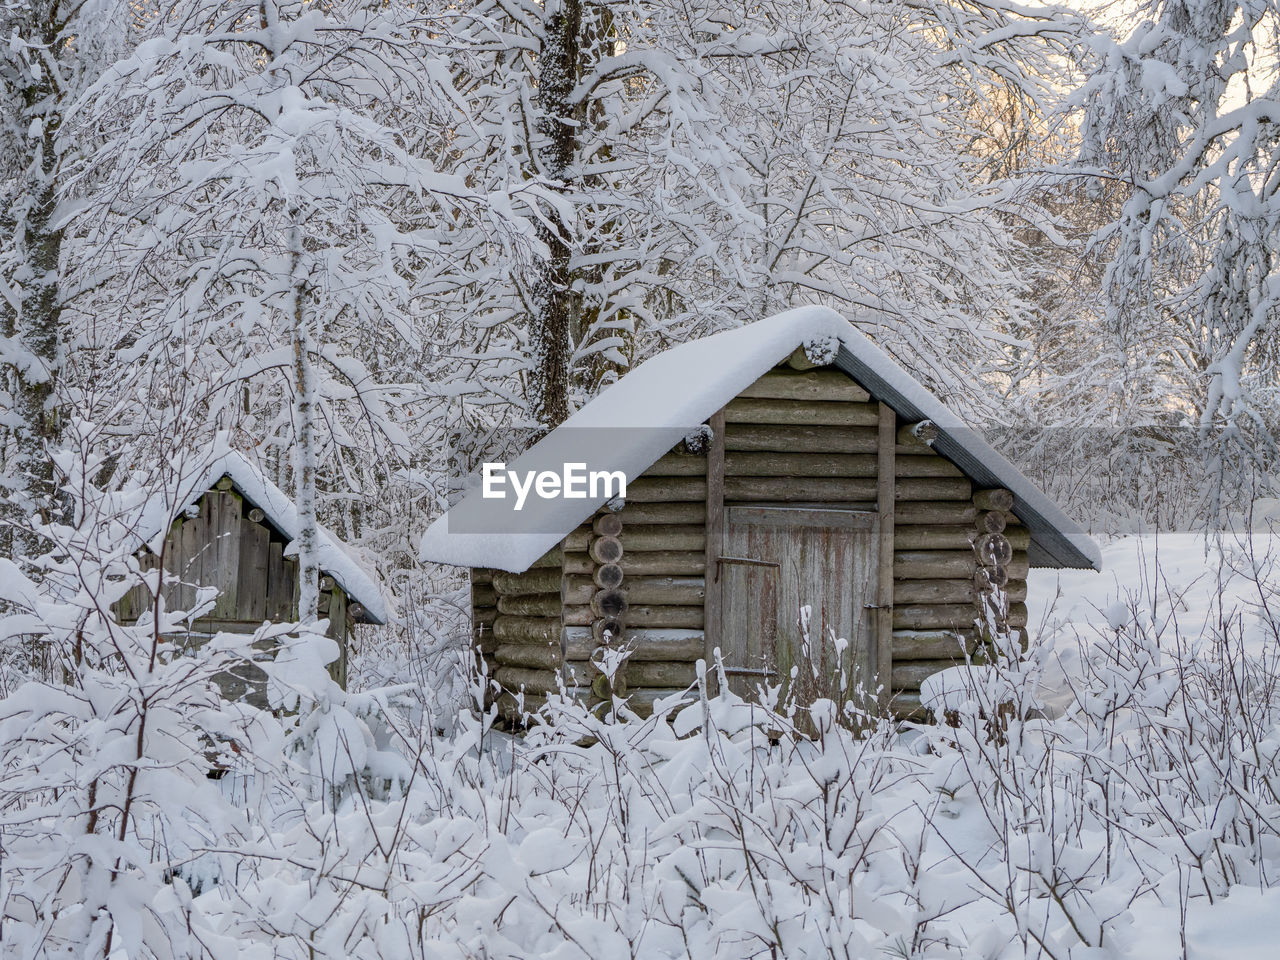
{"points": [[778, 560]]}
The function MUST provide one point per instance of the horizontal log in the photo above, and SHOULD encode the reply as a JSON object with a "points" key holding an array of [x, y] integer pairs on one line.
{"points": [[672, 563], [578, 614], [820, 384], [510, 629], [578, 590], [641, 700], [922, 512], [905, 705], [770, 464], [808, 489], [911, 673], [1017, 615], [929, 465], [538, 656], [790, 412], [654, 615], [578, 539], [481, 575], [529, 582], [665, 490], [996, 498], [484, 614], [645, 645], [1015, 590], [799, 489], [483, 595], [1019, 537], [933, 564], [799, 359], [799, 438], [675, 591], [655, 537], [516, 709], [550, 559], [534, 605], [678, 465], [934, 591], [933, 616], [660, 673], [642, 513], [641, 615], [932, 488], [533, 704], [932, 644], [539, 682], [920, 537]]}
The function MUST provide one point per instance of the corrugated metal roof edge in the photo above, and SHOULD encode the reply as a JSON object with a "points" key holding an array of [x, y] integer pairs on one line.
{"points": [[1049, 546]]}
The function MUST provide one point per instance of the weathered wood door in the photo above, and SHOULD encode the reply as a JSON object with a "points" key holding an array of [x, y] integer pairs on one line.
{"points": [[776, 562]]}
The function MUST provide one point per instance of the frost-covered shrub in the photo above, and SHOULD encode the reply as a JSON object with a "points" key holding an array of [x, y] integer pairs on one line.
{"points": [[346, 826]]}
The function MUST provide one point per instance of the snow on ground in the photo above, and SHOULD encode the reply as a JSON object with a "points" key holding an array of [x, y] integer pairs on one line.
{"points": [[1244, 925], [1185, 582]]}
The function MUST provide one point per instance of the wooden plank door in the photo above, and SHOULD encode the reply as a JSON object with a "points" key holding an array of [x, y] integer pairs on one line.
{"points": [[776, 562]]}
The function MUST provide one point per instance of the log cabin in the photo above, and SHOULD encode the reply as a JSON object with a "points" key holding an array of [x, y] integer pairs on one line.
{"points": [[796, 504], [227, 527]]}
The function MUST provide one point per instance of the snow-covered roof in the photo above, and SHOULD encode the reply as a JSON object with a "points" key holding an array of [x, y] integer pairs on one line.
{"points": [[665, 397], [200, 477]]}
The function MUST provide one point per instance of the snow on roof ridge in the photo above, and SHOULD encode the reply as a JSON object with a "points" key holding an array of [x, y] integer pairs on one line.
{"points": [[223, 460], [700, 377]]}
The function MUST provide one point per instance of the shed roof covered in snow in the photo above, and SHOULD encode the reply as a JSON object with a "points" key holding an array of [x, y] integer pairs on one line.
{"points": [[654, 406], [279, 511]]}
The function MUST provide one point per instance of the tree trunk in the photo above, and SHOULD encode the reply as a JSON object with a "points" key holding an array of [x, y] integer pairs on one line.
{"points": [[551, 297], [31, 313], [304, 450]]}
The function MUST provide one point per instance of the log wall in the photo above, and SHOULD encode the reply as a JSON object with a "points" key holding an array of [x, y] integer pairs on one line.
{"points": [[523, 643]]}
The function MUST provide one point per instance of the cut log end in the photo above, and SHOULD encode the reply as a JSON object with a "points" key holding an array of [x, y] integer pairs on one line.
{"points": [[607, 525]]}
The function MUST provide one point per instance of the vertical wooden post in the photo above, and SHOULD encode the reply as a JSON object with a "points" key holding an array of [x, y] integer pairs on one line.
{"points": [[713, 604], [886, 440]]}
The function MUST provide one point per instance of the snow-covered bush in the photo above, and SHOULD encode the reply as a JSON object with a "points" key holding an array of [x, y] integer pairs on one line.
{"points": [[350, 826]]}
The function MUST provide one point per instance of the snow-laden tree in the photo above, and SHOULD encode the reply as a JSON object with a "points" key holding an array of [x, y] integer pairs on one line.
{"points": [[257, 229], [720, 162], [49, 49], [1184, 114]]}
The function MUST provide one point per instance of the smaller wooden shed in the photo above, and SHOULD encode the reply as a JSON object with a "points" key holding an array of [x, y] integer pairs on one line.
{"points": [[232, 532], [794, 500]]}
